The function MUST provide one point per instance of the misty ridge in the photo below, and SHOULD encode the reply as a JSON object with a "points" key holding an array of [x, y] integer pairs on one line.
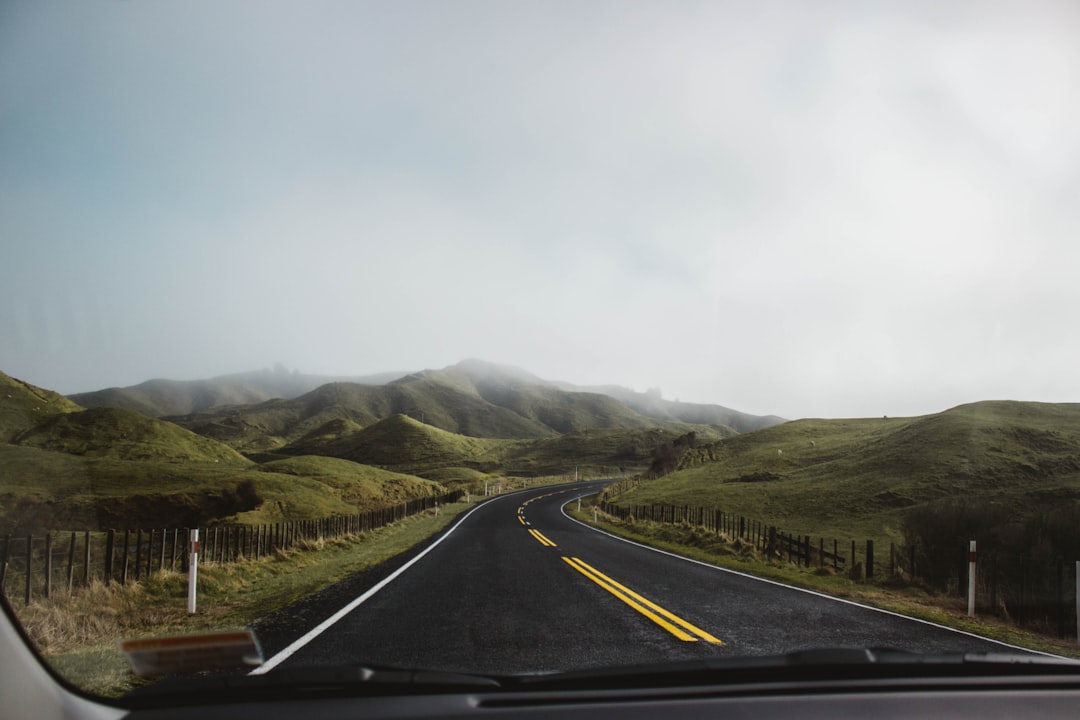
{"points": [[273, 408]]}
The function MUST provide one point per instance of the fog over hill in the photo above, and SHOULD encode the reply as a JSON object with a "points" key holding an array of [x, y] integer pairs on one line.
{"points": [[256, 412], [472, 398], [159, 397]]}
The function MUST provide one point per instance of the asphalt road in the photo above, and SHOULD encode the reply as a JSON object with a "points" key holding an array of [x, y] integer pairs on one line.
{"points": [[516, 586]]}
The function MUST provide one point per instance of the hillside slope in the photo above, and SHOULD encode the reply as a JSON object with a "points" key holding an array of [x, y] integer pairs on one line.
{"points": [[401, 443], [653, 405], [65, 467], [123, 435], [22, 406], [406, 444], [859, 477]]}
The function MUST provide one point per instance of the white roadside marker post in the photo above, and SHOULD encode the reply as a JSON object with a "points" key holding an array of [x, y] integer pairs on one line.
{"points": [[193, 569]]}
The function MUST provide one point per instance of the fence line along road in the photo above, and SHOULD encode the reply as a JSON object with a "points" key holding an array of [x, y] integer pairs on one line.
{"points": [[1015, 584], [36, 566]]}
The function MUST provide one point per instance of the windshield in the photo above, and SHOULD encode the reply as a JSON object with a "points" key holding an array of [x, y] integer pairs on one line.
{"points": [[523, 338]]}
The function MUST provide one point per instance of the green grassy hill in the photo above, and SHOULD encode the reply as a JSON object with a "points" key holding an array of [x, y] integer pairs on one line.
{"points": [[472, 398], [360, 486], [22, 406], [124, 435], [857, 478], [406, 444], [63, 467], [340, 448], [609, 452], [44, 490], [437, 401]]}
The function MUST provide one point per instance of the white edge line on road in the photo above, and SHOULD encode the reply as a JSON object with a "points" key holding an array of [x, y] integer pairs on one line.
{"points": [[319, 629], [562, 509]]}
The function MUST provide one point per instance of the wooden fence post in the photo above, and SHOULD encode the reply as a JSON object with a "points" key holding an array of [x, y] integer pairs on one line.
{"points": [[71, 564], [138, 553], [161, 558], [150, 555], [4, 565], [110, 546], [86, 558], [123, 561], [49, 565], [29, 564], [869, 559]]}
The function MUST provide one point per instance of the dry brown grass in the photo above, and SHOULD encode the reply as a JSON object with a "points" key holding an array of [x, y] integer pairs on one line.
{"points": [[78, 632]]}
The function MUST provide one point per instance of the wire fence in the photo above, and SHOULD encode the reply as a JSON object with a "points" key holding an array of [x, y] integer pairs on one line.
{"points": [[1028, 588], [37, 566]]}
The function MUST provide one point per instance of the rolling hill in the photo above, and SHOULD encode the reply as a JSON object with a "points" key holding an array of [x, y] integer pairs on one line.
{"points": [[63, 466], [22, 406], [409, 445], [653, 405], [124, 435], [857, 478], [337, 448], [405, 445], [471, 398]]}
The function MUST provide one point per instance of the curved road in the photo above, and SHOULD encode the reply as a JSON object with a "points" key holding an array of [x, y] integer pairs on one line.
{"points": [[516, 586]]}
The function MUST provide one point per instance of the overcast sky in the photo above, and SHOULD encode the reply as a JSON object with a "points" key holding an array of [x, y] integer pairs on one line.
{"points": [[808, 209]]}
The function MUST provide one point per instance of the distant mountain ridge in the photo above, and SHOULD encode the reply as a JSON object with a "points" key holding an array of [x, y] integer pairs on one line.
{"points": [[161, 398], [472, 398], [696, 413]]}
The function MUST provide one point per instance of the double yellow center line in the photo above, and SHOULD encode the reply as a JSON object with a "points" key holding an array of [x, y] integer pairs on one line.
{"points": [[674, 624], [543, 539]]}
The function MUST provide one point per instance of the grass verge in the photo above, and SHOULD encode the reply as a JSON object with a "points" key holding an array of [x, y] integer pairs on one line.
{"points": [[78, 633], [889, 595]]}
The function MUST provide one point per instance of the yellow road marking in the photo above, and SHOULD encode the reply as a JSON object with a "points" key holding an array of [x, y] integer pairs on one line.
{"points": [[521, 519], [541, 538], [643, 605]]}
